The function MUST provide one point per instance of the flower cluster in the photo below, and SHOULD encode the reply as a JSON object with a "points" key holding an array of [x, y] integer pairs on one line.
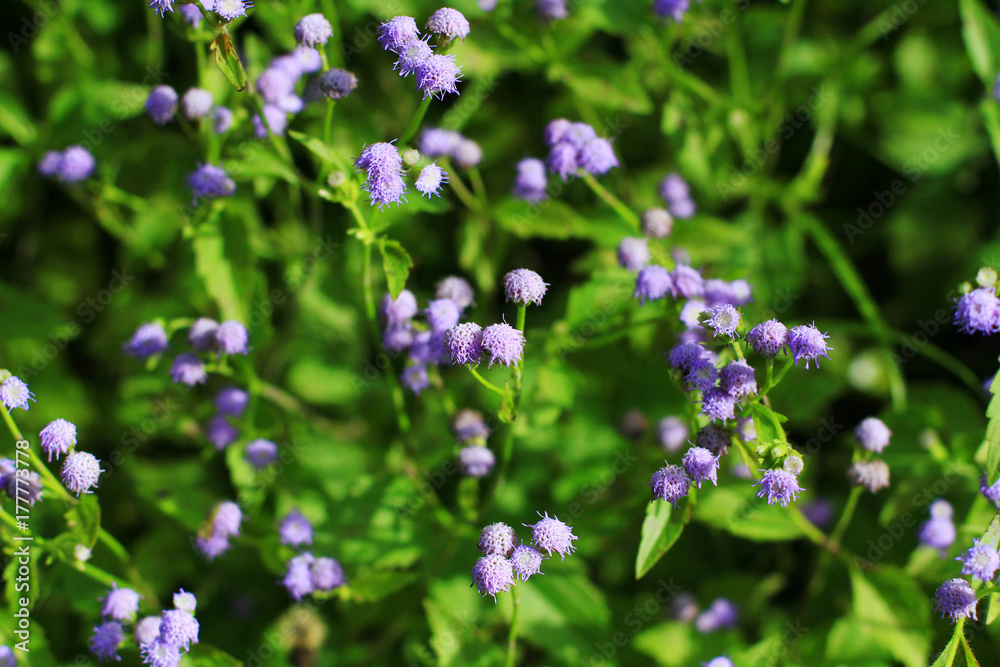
{"points": [[978, 310], [214, 535], [573, 148], [306, 574], [227, 10], [205, 335], [436, 142], [230, 402], [871, 473], [163, 639], [474, 459], [720, 615], [939, 532], [675, 192], [506, 559], [956, 598], [72, 165], [436, 74], [119, 609]]}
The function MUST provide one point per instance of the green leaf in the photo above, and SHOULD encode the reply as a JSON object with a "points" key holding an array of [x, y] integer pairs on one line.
{"points": [[993, 432], [767, 423], [947, 657], [970, 658], [203, 655], [315, 146], [741, 513], [228, 61], [660, 530], [982, 38], [19, 585], [84, 520], [396, 262], [215, 270]]}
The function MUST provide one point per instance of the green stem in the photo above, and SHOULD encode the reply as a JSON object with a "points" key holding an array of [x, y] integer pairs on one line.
{"points": [[623, 211], [486, 383], [461, 190], [789, 362], [478, 187], [418, 117], [845, 519], [49, 480], [769, 373], [512, 637]]}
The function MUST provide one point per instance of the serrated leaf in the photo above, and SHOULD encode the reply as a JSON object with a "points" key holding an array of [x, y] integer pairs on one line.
{"points": [[947, 657], [396, 263], [228, 61], [660, 530], [970, 658]]}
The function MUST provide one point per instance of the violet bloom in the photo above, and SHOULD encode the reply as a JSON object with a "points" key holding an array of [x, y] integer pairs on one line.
{"points": [[715, 438], [653, 282], [530, 183], [524, 287], [438, 75], [431, 178], [57, 438], [179, 628], [298, 578], [992, 492], [327, 574], [231, 338], [701, 465], [671, 9], [312, 30], [468, 425], [526, 561], [497, 539], [148, 339], [192, 14], [717, 405], [563, 160], [448, 24], [725, 320], [556, 131], [737, 379], [399, 310], [981, 561], [551, 10], [956, 599], [75, 165], [295, 529], [688, 282], [201, 335], [768, 338], [121, 604], [702, 375], [686, 355], [273, 121], [464, 343], [80, 472], [161, 7], [221, 433], [105, 640], [188, 369], [672, 433], [231, 9], [412, 56], [778, 486], [979, 310], [161, 104], [415, 378], [504, 343], [873, 434], [670, 483], [552, 535], [397, 32], [457, 289], [210, 182], [597, 157], [158, 653], [261, 453], [492, 575], [197, 103], [807, 342], [467, 154], [872, 475], [334, 84], [232, 401], [633, 253], [476, 461], [657, 223]]}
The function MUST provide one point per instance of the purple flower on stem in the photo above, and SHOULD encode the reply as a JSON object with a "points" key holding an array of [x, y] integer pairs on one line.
{"points": [[261, 452], [653, 282], [188, 369], [457, 289], [981, 561], [779, 486], [657, 223], [148, 339], [334, 84], [415, 378], [121, 604], [430, 180], [807, 342], [686, 355], [992, 492], [492, 575], [702, 375], [497, 539], [221, 433], [295, 529], [633, 253], [210, 182], [526, 561], [80, 472], [412, 56], [437, 75], [158, 653], [688, 282], [504, 343], [476, 461], [717, 405], [230, 9], [737, 379], [670, 483], [397, 32], [464, 343], [179, 628], [524, 287], [872, 475], [197, 103], [232, 401], [873, 434], [768, 338], [15, 394], [231, 338], [436, 142], [956, 599], [298, 578], [448, 24], [671, 9], [313, 29], [105, 641], [979, 310], [672, 433], [701, 465], [530, 183], [725, 320], [201, 335], [552, 535], [467, 154]]}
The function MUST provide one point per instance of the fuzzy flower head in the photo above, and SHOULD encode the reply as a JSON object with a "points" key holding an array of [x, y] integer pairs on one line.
{"points": [[192, 14], [563, 160], [725, 320], [261, 453], [15, 394], [873, 434], [298, 578], [185, 601], [431, 178], [313, 29], [497, 539], [121, 604], [80, 472], [457, 289], [551, 10], [476, 461], [75, 165], [49, 164], [188, 369], [210, 182], [295, 530], [226, 519], [395, 33], [464, 343], [438, 75], [807, 342], [436, 142], [737, 379], [221, 433], [468, 425], [702, 375], [399, 310], [768, 338], [715, 438], [526, 561], [327, 574], [670, 483], [524, 287], [597, 157], [148, 339], [941, 509], [161, 7], [179, 628], [448, 24], [717, 405], [686, 355], [701, 465], [147, 630], [158, 653], [672, 433], [197, 103], [161, 104], [105, 641], [778, 486], [412, 56], [531, 182], [415, 378], [442, 314], [653, 282], [981, 561], [992, 493], [334, 84], [467, 154], [504, 343], [872, 475], [955, 599], [232, 401], [492, 575], [938, 533], [657, 223], [552, 535], [231, 338], [556, 131], [978, 311], [633, 253], [230, 9], [671, 9], [201, 335], [688, 282]]}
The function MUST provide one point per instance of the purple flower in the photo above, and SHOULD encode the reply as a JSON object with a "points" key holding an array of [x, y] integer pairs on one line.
{"points": [[334, 84], [179, 628], [633, 253], [435, 142], [221, 433], [720, 614], [653, 282], [492, 575], [563, 160], [49, 164], [552, 535], [467, 154], [468, 425], [955, 599], [873, 434], [457, 289], [415, 378], [430, 180], [530, 183], [184, 601], [212, 546], [298, 578], [725, 320], [201, 335], [524, 287], [686, 355], [768, 338], [682, 208], [464, 343], [779, 486], [306, 59], [158, 653], [497, 539], [428, 348], [872, 475], [121, 604], [400, 310], [161, 7], [556, 131], [106, 639], [57, 438], [526, 561], [673, 187], [75, 164], [197, 103], [702, 375], [476, 461], [979, 310], [657, 223], [442, 314], [275, 84], [938, 533], [437, 75], [688, 282], [80, 472], [148, 339], [721, 661], [745, 429], [383, 165], [701, 465], [231, 338], [981, 561], [672, 433], [22, 489], [670, 483], [807, 342], [226, 519], [504, 343], [232, 401], [188, 369], [551, 10], [941, 509], [992, 493], [737, 379], [717, 404], [449, 24], [210, 181], [191, 14], [261, 452], [395, 33], [295, 529], [230, 9], [327, 574], [671, 9], [412, 56], [313, 29], [691, 314], [597, 157], [147, 630], [274, 120]]}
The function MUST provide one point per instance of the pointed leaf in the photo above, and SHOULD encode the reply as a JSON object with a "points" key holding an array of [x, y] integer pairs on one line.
{"points": [[228, 61], [396, 262], [660, 529]]}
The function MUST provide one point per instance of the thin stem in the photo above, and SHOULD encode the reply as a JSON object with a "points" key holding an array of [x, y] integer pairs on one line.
{"points": [[623, 211], [486, 383], [512, 637], [478, 186], [845, 519], [418, 117], [769, 373], [461, 190], [789, 362]]}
